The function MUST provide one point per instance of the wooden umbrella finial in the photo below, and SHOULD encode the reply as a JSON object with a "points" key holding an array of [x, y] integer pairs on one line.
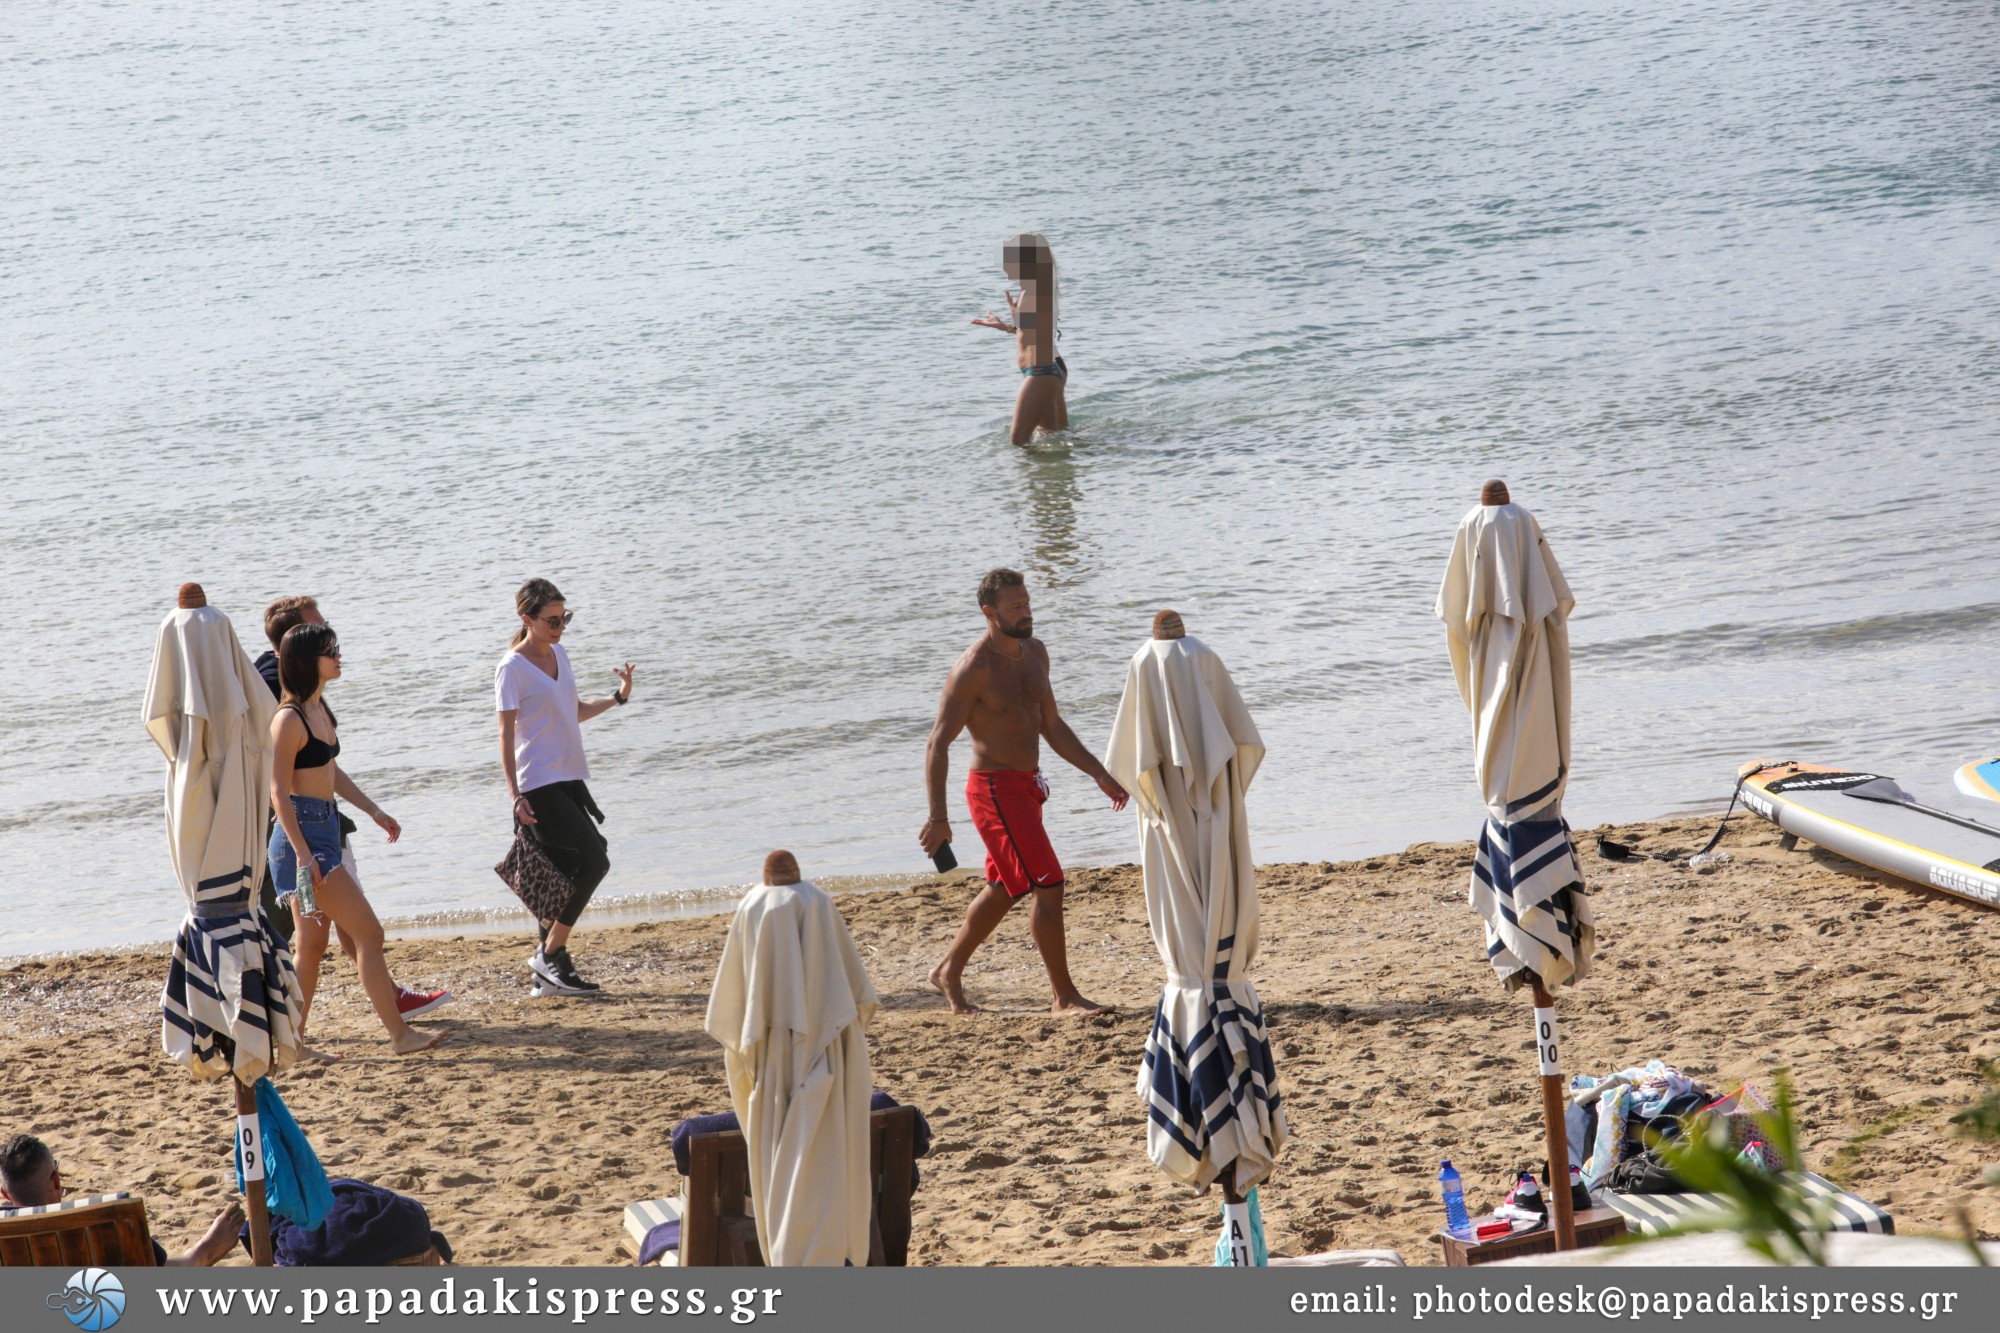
{"points": [[1167, 625], [1494, 492], [192, 596], [781, 868]]}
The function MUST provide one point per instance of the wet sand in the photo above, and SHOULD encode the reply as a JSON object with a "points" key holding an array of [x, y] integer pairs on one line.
{"points": [[528, 1132]]}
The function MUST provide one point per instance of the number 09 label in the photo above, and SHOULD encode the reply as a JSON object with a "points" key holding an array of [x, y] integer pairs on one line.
{"points": [[250, 1142], [1548, 1046]]}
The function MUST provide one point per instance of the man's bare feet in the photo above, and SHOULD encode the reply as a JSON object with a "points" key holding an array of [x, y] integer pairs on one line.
{"points": [[1076, 1005], [413, 1041], [315, 1054], [946, 983], [220, 1240]]}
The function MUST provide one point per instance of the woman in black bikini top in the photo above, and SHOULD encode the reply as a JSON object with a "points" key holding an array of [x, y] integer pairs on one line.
{"points": [[315, 753], [305, 779]]}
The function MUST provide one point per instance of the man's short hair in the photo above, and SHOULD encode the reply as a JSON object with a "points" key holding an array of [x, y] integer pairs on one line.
{"points": [[284, 613], [995, 580], [23, 1163]]}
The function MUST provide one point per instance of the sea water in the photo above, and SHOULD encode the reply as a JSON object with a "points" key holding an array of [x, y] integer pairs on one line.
{"points": [[399, 304]]}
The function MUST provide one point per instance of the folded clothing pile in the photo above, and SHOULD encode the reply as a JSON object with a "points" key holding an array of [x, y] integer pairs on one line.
{"points": [[1616, 1122]]}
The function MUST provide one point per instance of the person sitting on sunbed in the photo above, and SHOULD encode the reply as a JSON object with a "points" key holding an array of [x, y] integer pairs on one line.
{"points": [[30, 1178]]}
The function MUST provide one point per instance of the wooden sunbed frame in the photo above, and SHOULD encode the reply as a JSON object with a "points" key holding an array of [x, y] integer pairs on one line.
{"points": [[111, 1234], [718, 1230]]}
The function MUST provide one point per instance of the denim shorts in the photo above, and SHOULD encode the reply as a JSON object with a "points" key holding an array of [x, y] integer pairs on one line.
{"points": [[320, 822]]}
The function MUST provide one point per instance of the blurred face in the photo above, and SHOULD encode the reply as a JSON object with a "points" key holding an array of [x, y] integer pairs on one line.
{"points": [[546, 625], [1011, 615]]}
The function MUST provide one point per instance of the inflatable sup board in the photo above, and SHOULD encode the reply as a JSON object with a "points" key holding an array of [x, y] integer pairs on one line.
{"points": [[1980, 778], [1868, 818]]}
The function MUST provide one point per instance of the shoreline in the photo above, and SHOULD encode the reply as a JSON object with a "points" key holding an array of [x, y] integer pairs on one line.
{"points": [[623, 910], [504, 915], [528, 1131]]}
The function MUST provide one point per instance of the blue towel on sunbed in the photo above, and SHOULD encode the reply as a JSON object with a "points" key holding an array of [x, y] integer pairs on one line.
{"points": [[716, 1124], [664, 1237], [366, 1227]]}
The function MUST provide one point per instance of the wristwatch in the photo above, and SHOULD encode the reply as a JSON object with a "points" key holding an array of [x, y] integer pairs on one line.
{"points": [[619, 699]]}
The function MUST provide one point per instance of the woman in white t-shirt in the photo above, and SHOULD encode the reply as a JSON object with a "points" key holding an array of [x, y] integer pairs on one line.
{"points": [[541, 751]]}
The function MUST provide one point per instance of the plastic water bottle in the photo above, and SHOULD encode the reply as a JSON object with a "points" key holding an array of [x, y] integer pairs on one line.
{"points": [[1455, 1219]]}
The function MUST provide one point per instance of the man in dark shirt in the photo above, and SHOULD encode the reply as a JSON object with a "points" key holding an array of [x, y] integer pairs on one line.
{"points": [[30, 1178]]}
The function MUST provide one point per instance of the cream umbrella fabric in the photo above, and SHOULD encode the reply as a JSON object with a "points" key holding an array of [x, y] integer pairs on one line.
{"points": [[1505, 607], [1186, 748], [790, 1003], [230, 1004]]}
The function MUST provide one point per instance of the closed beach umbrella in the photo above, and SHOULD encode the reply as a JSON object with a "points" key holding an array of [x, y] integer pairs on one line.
{"points": [[1186, 748], [1505, 607], [230, 1005], [790, 1003]]}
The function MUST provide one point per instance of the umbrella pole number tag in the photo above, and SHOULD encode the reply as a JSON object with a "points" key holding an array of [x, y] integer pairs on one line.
{"points": [[250, 1143], [1235, 1247], [1548, 1046]]}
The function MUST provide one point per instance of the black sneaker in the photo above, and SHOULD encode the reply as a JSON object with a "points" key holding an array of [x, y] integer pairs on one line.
{"points": [[567, 970], [1579, 1193], [549, 969]]}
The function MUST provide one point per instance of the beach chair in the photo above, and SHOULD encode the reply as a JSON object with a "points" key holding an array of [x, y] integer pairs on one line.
{"points": [[719, 1225], [1651, 1214], [100, 1231]]}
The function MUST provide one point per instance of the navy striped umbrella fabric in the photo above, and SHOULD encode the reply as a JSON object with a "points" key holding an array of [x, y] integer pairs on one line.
{"points": [[231, 1002], [1505, 606], [1186, 748]]}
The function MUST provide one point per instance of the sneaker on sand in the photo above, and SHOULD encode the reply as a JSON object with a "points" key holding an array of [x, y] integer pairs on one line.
{"points": [[567, 968], [416, 1003], [551, 977]]}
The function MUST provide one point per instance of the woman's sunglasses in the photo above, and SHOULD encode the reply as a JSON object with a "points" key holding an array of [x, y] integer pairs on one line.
{"points": [[558, 622]]}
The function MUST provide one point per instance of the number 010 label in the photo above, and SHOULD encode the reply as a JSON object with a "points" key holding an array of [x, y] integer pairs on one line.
{"points": [[1547, 1045]]}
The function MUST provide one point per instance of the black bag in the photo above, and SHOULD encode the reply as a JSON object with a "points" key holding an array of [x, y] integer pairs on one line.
{"points": [[1645, 1173], [544, 890]]}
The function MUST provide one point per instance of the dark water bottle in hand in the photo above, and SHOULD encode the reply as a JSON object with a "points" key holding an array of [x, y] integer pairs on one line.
{"points": [[943, 859]]}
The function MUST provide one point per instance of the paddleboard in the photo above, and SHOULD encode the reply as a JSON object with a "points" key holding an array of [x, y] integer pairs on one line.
{"points": [[1866, 817], [1980, 778]]}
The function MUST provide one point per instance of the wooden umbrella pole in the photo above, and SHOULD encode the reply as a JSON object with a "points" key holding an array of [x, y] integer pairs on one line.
{"points": [[250, 1143], [1548, 1049]]}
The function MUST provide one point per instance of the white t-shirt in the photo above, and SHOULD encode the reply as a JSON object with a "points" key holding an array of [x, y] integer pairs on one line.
{"points": [[548, 740]]}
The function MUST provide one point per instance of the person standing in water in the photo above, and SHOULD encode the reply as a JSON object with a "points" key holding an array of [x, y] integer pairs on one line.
{"points": [[541, 751], [1040, 404], [304, 780], [999, 690]]}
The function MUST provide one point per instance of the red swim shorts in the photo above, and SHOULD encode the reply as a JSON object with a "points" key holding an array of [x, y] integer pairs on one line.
{"points": [[1007, 811]]}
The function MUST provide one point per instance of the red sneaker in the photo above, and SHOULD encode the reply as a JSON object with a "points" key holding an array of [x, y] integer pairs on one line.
{"points": [[415, 1004]]}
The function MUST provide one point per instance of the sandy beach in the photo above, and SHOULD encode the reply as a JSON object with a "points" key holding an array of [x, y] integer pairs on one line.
{"points": [[539, 1120]]}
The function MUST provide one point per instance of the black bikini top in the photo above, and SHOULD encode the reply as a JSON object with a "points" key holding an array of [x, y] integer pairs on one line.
{"points": [[315, 753]]}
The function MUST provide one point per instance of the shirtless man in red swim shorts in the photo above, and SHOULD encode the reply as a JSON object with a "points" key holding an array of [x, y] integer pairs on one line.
{"points": [[1000, 691]]}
